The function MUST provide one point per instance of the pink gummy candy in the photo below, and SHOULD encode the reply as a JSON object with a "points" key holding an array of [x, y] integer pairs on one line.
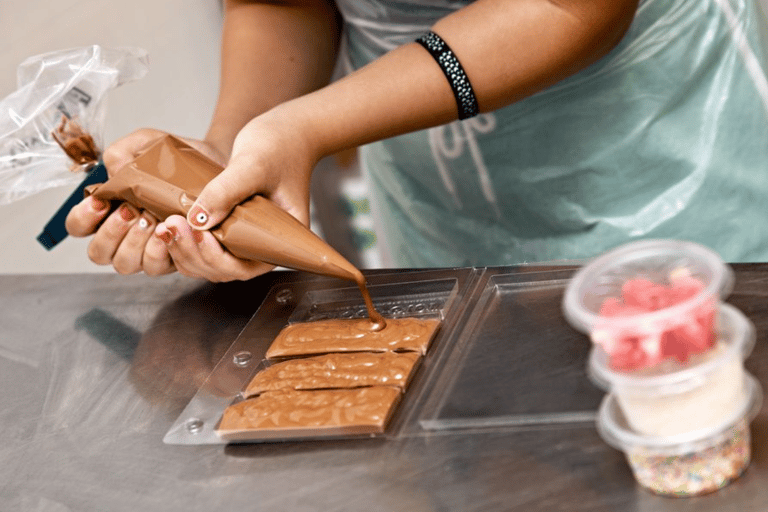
{"points": [[645, 346]]}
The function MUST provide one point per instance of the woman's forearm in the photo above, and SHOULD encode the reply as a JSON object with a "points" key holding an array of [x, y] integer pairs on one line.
{"points": [[271, 52], [509, 49]]}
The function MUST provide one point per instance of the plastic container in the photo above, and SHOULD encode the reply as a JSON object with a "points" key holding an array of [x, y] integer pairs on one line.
{"points": [[684, 465], [655, 260], [672, 397]]}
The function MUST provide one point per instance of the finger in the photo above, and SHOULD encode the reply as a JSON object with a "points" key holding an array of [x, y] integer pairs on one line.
{"points": [[182, 261], [156, 260], [199, 254], [229, 267], [180, 241], [86, 216], [110, 235], [129, 256], [231, 187]]}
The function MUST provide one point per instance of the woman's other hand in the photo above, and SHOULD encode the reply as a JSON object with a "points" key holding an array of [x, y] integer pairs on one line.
{"points": [[126, 237]]}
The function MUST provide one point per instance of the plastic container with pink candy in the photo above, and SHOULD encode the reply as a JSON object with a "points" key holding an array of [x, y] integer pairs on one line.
{"points": [[666, 346]]}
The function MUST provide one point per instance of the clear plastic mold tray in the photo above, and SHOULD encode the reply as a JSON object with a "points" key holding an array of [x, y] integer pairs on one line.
{"points": [[515, 362], [433, 294]]}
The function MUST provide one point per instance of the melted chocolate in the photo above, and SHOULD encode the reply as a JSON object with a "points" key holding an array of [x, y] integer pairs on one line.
{"points": [[290, 413], [336, 371], [353, 335], [376, 321]]}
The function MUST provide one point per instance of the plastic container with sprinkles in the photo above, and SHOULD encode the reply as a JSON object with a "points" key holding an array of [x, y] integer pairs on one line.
{"points": [[691, 464]]}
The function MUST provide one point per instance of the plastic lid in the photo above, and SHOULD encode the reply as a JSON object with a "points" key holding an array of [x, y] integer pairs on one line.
{"points": [[613, 428], [735, 332], [654, 260]]}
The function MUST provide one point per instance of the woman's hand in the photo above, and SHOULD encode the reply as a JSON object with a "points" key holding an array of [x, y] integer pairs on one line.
{"points": [[126, 238], [199, 254], [270, 157], [267, 159], [271, 53]]}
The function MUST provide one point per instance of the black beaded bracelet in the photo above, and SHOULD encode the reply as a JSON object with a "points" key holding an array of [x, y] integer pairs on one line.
{"points": [[454, 72]]}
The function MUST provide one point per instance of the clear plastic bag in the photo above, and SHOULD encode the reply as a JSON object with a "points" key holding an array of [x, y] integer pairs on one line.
{"points": [[69, 83]]}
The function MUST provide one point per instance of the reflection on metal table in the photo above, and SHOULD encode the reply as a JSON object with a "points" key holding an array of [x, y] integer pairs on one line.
{"points": [[97, 370]]}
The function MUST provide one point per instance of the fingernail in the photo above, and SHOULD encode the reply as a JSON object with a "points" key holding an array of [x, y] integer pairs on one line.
{"points": [[197, 236], [198, 217], [165, 236], [98, 205], [186, 200], [174, 233], [126, 213], [143, 223]]}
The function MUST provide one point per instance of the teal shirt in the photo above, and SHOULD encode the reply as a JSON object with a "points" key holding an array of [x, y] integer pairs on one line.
{"points": [[665, 137]]}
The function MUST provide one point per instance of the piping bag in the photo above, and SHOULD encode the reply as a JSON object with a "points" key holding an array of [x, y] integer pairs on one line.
{"points": [[165, 179]]}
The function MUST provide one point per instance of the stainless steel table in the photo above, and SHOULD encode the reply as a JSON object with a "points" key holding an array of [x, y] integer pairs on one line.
{"points": [[95, 368]]}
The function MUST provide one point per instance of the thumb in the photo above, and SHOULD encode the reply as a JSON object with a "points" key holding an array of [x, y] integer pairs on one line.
{"points": [[218, 198]]}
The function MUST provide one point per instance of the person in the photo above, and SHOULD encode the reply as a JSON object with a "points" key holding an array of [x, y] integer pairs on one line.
{"points": [[492, 132]]}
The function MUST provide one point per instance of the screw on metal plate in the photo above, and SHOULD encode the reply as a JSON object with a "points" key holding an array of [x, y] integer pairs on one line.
{"points": [[194, 425], [283, 296], [242, 359]]}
